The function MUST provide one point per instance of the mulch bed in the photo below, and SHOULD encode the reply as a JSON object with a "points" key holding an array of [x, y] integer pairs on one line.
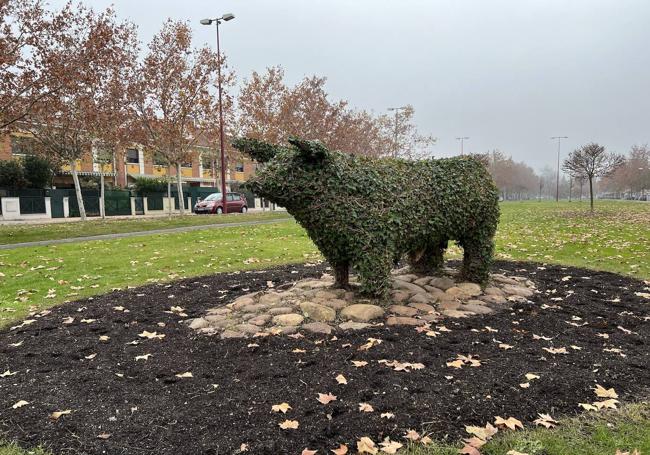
{"points": [[227, 402]]}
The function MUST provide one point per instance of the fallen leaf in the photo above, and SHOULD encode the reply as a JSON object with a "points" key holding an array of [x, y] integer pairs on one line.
{"points": [[57, 414], [90, 356], [531, 376], [326, 398], [468, 449], [144, 357], [306, 451], [20, 404], [366, 407], [282, 407], [514, 452], [610, 404], [104, 338], [187, 374], [388, 446], [387, 415], [561, 350], [299, 351], [68, 320], [289, 425], [456, 364], [602, 392], [341, 379], [342, 450], [588, 407], [7, 373], [366, 445], [545, 420], [525, 385], [484, 433], [412, 435], [510, 422], [103, 435], [426, 440], [505, 346], [359, 363], [371, 342], [151, 335]]}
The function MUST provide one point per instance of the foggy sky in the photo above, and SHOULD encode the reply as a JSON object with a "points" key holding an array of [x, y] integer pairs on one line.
{"points": [[508, 74]]}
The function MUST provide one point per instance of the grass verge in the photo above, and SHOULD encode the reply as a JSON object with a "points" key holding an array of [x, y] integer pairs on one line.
{"points": [[18, 233]]}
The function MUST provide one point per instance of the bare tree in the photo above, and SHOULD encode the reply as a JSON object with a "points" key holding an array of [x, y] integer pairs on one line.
{"points": [[172, 97], [402, 136], [83, 47], [592, 161]]}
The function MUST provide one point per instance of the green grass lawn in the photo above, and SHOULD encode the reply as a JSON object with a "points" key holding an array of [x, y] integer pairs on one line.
{"points": [[616, 238], [17, 233]]}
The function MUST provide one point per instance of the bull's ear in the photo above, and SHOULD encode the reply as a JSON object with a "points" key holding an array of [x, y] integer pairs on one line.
{"points": [[312, 150], [260, 151]]}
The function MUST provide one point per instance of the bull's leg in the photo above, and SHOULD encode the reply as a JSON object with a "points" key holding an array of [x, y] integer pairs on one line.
{"points": [[374, 272], [430, 259], [342, 275], [477, 257]]}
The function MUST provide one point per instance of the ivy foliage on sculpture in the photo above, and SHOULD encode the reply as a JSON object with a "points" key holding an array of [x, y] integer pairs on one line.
{"points": [[366, 213]]}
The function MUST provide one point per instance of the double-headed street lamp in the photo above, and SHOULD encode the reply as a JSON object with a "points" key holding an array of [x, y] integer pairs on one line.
{"points": [[226, 17], [462, 143], [557, 176]]}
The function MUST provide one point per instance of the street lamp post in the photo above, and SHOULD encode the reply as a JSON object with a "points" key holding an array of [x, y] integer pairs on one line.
{"points": [[462, 140], [226, 17], [396, 109], [557, 176]]}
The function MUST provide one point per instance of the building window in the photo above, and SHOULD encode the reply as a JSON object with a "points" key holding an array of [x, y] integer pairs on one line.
{"points": [[207, 161], [186, 164], [21, 146], [132, 156], [239, 167]]}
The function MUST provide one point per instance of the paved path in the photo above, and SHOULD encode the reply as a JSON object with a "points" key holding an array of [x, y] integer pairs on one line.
{"points": [[139, 233]]}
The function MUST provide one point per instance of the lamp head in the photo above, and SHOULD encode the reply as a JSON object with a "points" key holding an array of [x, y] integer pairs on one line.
{"points": [[228, 17], [206, 21]]}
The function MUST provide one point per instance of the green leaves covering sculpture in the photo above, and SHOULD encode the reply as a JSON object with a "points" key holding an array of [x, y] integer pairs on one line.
{"points": [[368, 213]]}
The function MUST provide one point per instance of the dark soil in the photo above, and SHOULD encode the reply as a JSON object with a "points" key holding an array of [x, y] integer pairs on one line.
{"points": [[228, 401]]}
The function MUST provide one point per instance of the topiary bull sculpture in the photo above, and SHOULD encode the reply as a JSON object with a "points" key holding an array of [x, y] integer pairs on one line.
{"points": [[368, 213]]}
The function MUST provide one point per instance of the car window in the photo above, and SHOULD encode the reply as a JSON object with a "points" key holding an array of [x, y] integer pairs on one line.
{"points": [[213, 197], [230, 197]]}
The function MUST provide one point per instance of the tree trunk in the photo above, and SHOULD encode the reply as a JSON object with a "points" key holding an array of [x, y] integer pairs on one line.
{"points": [[77, 189], [102, 205], [169, 192], [342, 276], [179, 183], [591, 193]]}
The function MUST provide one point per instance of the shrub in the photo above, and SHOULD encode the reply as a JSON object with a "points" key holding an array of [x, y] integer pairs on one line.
{"points": [[145, 185], [12, 174], [38, 171], [368, 213]]}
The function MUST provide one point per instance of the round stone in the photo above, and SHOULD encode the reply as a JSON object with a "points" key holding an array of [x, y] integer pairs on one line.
{"points": [[424, 307], [270, 298], [199, 323], [471, 289], [406, 277], [422, 281], [318, 327], [232, 334], [494, 299], [316, 312], [246, 328], [336, 304], [260, 320], [422, 298], [456, 292], [402, 310], [406, 286], [478, 308], [457, 313], [288, 319], [442, 282], [403, 320], [400, 296], [491, 290], [326, 295], [242, 302], [362, 312], [280, 310], [350, 325], [222, 310], [517, 290], [254, 308]]}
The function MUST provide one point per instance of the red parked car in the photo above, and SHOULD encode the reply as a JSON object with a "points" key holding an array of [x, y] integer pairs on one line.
{"points": [[235, 203]]}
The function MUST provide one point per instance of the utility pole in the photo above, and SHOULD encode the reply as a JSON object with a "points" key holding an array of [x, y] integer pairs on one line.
{"points": [[395, 133], [462, 140], [557, 177]]}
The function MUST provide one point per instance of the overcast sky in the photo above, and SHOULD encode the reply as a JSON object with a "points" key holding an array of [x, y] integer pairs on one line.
{"points": [[507, 73]]}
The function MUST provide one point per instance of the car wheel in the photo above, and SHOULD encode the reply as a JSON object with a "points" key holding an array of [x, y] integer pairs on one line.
{"points": [[219, 210], [244, 209]]}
